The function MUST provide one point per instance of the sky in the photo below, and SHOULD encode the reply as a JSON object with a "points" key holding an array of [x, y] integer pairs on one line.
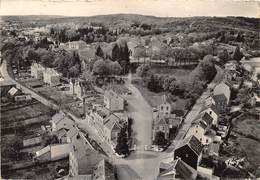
{"points": [[163, 8]]}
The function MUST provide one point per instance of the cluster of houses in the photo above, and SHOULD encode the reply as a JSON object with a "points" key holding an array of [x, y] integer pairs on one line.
{"points": [[84, 161], [202, 140], [49, 75], [108, 118], [17, 95]]}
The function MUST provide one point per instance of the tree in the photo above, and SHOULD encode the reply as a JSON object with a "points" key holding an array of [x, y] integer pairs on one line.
{"points": [[167, 81], [122, 145], [160, 139], [237, 55], [115, 68], [100, 67], [99, 52]]}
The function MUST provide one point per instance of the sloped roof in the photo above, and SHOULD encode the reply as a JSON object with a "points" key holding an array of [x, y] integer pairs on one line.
{"points": [[207, 118], [222, 88], [211, 106], [111, 121], [110, 94], [219, 98], [204, 117], [72, 132], [181, 169], [87, 53], [193, 143], [13, 91]]}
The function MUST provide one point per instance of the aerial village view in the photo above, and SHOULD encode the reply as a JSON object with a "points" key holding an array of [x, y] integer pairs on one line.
{"points": [[125, 96]]}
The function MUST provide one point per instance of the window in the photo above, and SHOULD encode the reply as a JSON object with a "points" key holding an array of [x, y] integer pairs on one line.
{"points": [[207, 140], [210, 112], [200, 139], [167, 108], [161, 107], [196, 131]]}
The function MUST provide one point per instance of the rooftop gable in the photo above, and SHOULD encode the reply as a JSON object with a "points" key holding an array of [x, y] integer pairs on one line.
{"points": [[193, 143]]}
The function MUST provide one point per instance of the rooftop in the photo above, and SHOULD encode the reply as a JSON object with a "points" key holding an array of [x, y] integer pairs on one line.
{"points": [[193, 143]]}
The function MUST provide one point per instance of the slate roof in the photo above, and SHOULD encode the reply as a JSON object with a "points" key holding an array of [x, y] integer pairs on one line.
{"points": [[204, 117], [193, 143], [180, 168], [211, 106], [110, 94], [222, 88], [219, 98], [111, 121], [72, 132]]}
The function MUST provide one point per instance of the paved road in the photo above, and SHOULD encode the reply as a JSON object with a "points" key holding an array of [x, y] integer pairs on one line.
{"points": [[144, 163]]}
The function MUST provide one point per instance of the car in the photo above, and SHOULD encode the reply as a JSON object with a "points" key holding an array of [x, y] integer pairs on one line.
{"points": [[155, 110]]}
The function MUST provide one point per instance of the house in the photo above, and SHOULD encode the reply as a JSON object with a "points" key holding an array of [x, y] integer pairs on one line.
{"points": [[222, 88], [213, 149], [53, 152], [77, 45], [51, 77], [136, 50], [221, 102], [78, 141], [91, 166], [60, 120], [37, 70], [111, 129], [165, 119], [206, 169], [211, 110], [231, 66], [113, 101], [79, 87], [161, 126], [107, 124], [86, 56], [164, 108], [177, 169], [61, 135], [190, 151], [23, 98], [200, 128], [13, 92], [32, 141]]}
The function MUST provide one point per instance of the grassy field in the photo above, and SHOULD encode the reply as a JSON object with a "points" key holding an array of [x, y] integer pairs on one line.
{"points": [[247, 130]]}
